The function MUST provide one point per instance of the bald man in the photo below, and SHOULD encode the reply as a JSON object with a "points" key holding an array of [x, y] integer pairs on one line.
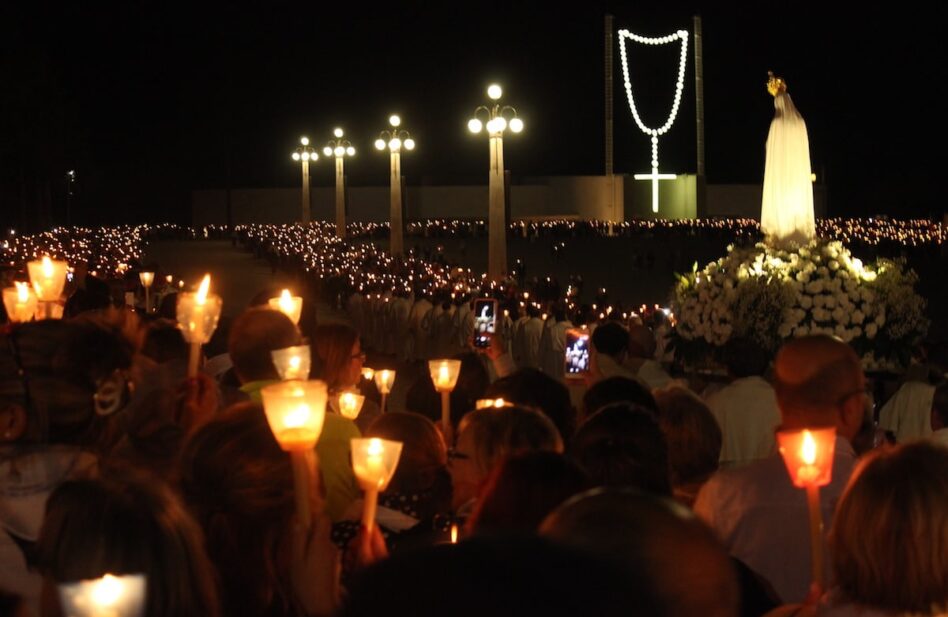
{"points": [[755, 510]]}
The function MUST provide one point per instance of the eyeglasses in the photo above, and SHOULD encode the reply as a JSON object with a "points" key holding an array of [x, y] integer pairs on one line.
{"points": [[358, 356], [454, 455]]}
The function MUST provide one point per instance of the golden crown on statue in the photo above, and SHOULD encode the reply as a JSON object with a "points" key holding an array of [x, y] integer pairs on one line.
{"points": [[775, 85]]}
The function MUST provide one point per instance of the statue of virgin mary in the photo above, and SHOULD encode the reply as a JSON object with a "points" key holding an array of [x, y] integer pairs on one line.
{"points": [[786, 213]]}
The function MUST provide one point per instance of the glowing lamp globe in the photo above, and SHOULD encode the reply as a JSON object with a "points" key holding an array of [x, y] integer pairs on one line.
{"points": [[474, 125], [292, 362], [499, 124], [291, 306], [374, 461], [494, 91], [350, 151], [808, 455], [20, 302], [444, 374], [395, 143], [384, 380], [339, 151], [304, 141], [305, 156], [379, 144], [295, 411], [337, 132], [409, 144], [109, 596], [198, 313], [394, 120], [516, 125], [48, 277], [350, 404], [146, 278], [327, 151]]}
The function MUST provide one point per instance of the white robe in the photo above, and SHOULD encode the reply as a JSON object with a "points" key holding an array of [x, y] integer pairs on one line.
{"points": [[417, 329], [747, 412], [553, 350], [908, 413]]}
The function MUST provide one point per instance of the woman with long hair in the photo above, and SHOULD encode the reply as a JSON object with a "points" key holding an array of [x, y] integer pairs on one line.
{"points": [[338, 359]]}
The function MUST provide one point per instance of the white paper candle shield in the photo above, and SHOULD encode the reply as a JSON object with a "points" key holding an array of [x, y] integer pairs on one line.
{"points": [[198, 313], [20, 302], [384, 380], [350, 404], [109, 596], [295, 411], [292, 362], [291, 306], [374, 461], [444, 374], [48, 278]]}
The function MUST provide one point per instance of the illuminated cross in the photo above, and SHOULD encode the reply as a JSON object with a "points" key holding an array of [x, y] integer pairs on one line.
{"points": [[655, 177]]}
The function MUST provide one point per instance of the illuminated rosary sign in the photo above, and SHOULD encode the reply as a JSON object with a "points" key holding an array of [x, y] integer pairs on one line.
{"points": [[682, 36]]}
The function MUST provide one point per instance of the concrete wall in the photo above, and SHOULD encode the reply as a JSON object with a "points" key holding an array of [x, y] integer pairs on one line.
{"points": [[584, 197]]}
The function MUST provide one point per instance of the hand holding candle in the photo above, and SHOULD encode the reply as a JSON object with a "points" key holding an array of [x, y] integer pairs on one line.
{"points": [[198, 314], [20, 302], [444, 375], [295, 411], [292, 362], [291, 306], [808, 455], [374, 461], [109, 596], [49, 279]]}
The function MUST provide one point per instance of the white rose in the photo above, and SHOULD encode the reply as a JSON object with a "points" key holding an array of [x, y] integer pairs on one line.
{"points": [[784, 330], [847, 335], [822, 271], [840, 331], [806, 301], [819, 301], [814, 287], [801, 331], [840, 316], [803, 276], [880, 319], [858, 317], [829, 301], [857, 332], [871, 330], [833, 265]]}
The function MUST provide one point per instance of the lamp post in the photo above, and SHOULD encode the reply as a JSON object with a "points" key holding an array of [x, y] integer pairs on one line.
{"points": [[340, 148], [395, 139], [305, 153], [499, 118]]}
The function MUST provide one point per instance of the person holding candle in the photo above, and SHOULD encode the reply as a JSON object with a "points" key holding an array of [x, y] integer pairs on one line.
{"points": [[127, 524], [338, 360], [756, 510], [253, 336]]}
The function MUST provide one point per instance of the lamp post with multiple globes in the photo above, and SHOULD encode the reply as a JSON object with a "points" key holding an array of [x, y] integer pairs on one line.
{"points": [[340, 148], [304, 154], [395, 139], [498, 119]]}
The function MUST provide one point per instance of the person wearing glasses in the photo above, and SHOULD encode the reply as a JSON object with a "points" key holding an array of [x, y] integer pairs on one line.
{"points": [[338, 360]]}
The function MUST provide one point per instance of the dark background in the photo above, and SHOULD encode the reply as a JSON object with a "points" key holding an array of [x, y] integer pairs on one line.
{"points": [[149, 100]]}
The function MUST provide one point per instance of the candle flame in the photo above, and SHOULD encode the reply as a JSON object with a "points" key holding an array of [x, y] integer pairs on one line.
{"points": [[808, 449], [454, 533], [295, 362], [375, 447], [22, 292], [286, 301], [47, 267], [443, 375], [201, 296], [297, 417], [107, 591]]}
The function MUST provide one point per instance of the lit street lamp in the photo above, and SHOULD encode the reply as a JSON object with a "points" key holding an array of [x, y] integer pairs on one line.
{"points": [[340, 148], [305, 153], [499, 118], [395, 140]]}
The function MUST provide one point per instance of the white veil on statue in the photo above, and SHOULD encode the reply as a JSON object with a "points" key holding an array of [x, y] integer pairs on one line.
{"points": [[786, 213]]}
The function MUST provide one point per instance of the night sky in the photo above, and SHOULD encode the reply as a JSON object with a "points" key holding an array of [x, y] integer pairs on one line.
{"points": [[150, 100]]}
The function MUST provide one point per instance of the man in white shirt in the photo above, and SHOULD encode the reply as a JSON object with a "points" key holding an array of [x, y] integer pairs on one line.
{"points": [[553, 344], [642, 357], [757, 513], [908, 413], [416, 328], [746, 409], [527, 340]]}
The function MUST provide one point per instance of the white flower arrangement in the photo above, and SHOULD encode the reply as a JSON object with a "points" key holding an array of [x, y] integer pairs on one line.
{"points": [[769, 294]]}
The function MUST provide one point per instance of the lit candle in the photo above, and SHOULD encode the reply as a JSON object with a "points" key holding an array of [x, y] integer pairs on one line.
{"points": [[368, 374], [454, 533], [350, 404], [20, 302], [292, 362], [296, 411], [291, 306], [490, 403], [808, 455], [384, 380], [198, 314], [444, 375], [373, 461], [147, 278], [48, 278], [109, 596]]}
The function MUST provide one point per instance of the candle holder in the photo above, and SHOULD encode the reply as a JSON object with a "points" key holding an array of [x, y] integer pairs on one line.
{"points": [[109, 596], [368, 374], [296, 411], [384, 380], [147, 278], [291, 306], [198, 314], [48, 278], [292, 362], [491, 403], [20, 302], [374, 461], [808, 455], [350, 404], [444, 375]]}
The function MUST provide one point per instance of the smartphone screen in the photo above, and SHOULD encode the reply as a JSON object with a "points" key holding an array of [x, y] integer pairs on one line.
{"points": [[485, 321], [577, 353]]}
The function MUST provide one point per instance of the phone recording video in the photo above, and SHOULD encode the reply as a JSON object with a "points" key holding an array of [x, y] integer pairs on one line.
{"points": [[485, 321], [577, 353]]}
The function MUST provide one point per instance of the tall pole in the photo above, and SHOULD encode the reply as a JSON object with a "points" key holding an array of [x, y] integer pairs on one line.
{"points": [[497, 231], [396, 243], [304, 205], [699, 94], [340, 198], [610, 169]]}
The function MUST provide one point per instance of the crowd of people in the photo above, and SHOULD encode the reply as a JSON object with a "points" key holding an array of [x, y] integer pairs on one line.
{"points": [[622, 492]]}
